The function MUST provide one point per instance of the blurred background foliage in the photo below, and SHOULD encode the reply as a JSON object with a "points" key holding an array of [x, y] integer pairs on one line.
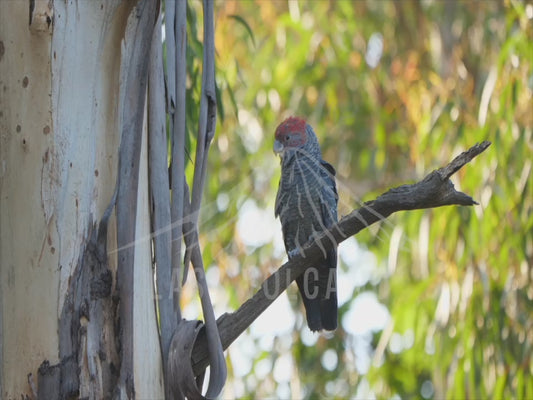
{"points": [[394, 89]]}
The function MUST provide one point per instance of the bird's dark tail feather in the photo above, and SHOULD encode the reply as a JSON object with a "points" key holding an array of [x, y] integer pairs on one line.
{"points": [[320, 298], [328, 313], [321, 314]]}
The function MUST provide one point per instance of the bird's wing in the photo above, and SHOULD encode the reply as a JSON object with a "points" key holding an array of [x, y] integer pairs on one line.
{"points": [[329, 197], [279, 201], [328, 278]]}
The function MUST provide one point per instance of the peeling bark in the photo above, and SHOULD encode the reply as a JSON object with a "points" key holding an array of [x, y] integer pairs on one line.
{"points": [[89, 360]]}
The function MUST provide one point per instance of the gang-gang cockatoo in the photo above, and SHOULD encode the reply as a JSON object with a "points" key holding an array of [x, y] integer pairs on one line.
{"points": [[306, 203]]}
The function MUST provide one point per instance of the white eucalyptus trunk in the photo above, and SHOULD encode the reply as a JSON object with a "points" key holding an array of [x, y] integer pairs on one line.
{"points": [[62, 96]]}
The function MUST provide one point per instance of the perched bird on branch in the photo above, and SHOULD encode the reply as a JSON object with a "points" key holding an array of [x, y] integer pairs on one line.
{"points": [[306, 203]]}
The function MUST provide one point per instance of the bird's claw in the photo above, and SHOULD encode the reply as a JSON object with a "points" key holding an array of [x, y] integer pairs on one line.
{"points": [[294, 252]]}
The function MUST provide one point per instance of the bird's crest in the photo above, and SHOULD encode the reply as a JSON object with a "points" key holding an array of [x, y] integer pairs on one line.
{"points": [[291, 124]]}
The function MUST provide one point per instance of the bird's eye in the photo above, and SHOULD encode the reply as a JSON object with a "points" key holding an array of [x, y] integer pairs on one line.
{"points": [[287, 138]]}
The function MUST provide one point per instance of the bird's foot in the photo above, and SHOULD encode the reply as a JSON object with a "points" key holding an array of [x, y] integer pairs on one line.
{"points": [[297, 251]]}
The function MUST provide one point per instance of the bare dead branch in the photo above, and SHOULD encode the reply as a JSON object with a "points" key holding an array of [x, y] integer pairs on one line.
{"points": [[462, 159], [435, 190]]}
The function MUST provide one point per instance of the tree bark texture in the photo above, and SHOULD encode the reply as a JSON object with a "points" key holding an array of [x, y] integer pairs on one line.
{"points": [[73, 87]]}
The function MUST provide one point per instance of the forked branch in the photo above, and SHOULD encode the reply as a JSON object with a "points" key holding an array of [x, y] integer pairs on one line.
{"points": [[435, 190]]}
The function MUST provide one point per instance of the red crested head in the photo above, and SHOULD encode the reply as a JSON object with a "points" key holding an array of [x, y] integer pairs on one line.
{"points": [[292, 132], [290, 125]]}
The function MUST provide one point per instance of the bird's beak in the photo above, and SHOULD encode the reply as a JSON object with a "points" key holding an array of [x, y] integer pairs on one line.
{"points": [[278, 147]]}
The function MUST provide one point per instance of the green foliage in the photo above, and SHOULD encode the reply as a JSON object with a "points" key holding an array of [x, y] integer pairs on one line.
{"points": [[457, 281]]}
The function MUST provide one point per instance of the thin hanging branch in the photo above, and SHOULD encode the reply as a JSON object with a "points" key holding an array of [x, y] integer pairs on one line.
{"points": [[435, 190], [171, 22], [178, 130], [206, 132]]}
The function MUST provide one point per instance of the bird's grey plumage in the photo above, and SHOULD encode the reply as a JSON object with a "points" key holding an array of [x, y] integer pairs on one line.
{"points": [[306, 203]]}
